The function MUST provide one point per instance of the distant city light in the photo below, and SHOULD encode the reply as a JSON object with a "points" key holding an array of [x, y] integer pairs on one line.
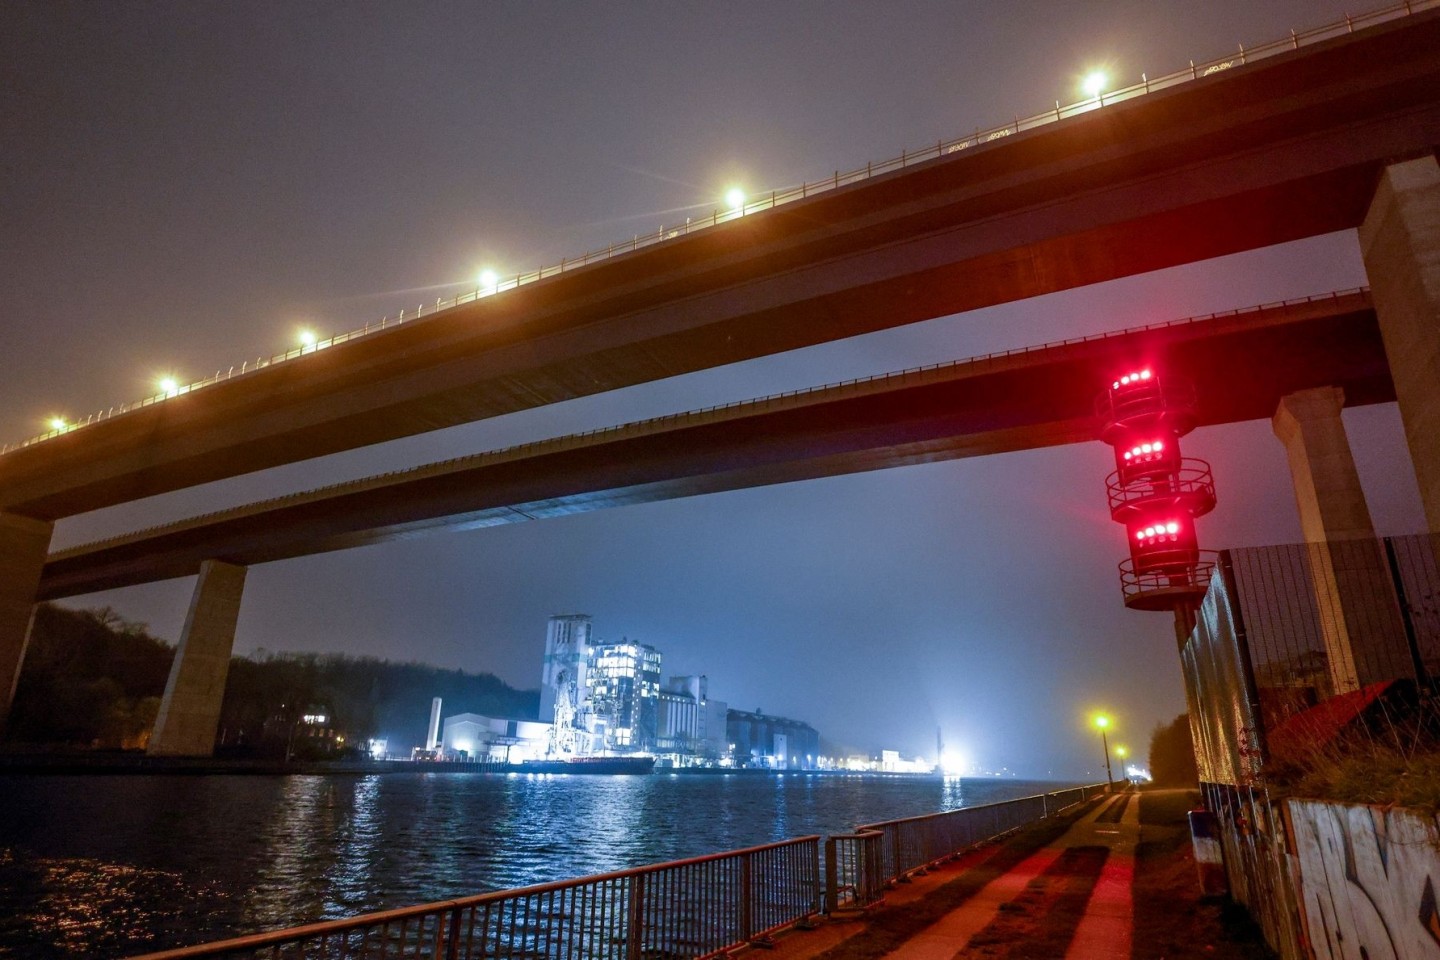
{"points": [[735, 199], [307, 338], [1095, 83], [952, 763]]}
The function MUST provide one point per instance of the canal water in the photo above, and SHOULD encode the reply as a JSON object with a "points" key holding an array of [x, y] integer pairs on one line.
{"points": [[108, 866]]}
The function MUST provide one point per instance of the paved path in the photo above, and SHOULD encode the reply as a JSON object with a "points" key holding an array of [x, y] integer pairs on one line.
{"points": [[1106, 835]]}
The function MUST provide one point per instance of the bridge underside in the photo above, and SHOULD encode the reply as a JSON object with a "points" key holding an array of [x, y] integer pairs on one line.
{"points": [[1279, 150], [1241, 367]]}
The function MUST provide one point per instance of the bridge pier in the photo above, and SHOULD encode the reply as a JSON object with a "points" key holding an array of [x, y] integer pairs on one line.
{"points": [[1400, 241], [1363, 636], [24, 542], [190, 710]]}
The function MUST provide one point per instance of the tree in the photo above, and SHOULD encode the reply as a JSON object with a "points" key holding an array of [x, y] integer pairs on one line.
{"points": [[1172, 754]]}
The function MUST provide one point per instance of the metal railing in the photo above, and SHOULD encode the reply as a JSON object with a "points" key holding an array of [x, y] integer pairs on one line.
{"points": [[700, 415], [687, 908], [854, 871], [942, 148], [858, 866]]}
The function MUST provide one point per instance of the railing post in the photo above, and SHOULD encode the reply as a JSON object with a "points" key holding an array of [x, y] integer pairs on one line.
{"points": [[635, 925], [815, 866], [832, 886], [747, 931], [452, 941]]}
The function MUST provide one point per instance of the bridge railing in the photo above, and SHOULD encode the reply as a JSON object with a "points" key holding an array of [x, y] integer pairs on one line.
{"points": [[942, 148], [687, 908]]}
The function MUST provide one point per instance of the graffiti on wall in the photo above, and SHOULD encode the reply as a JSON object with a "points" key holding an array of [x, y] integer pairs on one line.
{"points": [[1368, 879]]}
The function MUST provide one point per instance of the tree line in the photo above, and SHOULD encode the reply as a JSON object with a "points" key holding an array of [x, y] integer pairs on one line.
{"points": [[93, 680]]}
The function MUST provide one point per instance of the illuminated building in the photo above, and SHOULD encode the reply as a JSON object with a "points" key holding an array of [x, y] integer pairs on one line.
{"points": [[471, 736], [623, 681], [563, 689], [765, 741], [691, 726]]}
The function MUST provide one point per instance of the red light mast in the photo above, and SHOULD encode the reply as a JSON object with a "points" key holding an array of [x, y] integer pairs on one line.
{"points": [[1157, 493]]}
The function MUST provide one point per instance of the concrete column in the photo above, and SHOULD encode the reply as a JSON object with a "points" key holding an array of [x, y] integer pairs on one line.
{"points": [[23, 545], [1359, 622], [1327, 486], [1400, 241], [190, 711]]}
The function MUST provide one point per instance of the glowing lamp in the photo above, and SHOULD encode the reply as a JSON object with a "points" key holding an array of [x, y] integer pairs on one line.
{"points": [[488, 279], [1094, 83], [1143, 458], [57, 423], [735, 199], [168, 386], [1160, 544]]}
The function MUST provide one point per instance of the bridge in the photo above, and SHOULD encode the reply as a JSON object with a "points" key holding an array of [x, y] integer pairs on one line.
{"points": [[1242, 364], [1337, 135]]}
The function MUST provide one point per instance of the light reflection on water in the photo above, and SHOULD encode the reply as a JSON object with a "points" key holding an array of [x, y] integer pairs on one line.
{"points": [[110, 865]]}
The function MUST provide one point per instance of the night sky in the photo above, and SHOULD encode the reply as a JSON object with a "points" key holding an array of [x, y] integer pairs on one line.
{"points": [[187, 185]]}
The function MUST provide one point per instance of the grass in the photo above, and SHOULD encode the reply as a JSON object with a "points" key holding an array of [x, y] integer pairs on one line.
{"points": [[1391, 756], [1172, 922]]}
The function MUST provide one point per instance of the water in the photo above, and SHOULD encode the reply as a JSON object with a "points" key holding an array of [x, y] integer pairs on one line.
{"points": [[116, 865]]}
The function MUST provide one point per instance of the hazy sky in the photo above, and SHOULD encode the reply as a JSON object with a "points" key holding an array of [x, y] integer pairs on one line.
{"points": [[186, 185]]}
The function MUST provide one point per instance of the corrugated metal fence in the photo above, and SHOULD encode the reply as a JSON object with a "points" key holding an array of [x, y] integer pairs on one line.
{"points": [[1284, 630]]}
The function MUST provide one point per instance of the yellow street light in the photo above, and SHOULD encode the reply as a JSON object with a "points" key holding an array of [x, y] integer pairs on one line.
{"points": [[168, 386], [1094, 83], [307, 338], [58, 423], [488, 280], [1102, 723], [735, 199]]}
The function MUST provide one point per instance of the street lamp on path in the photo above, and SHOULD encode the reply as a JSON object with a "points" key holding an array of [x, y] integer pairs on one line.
{"points": [[1102, 722]]}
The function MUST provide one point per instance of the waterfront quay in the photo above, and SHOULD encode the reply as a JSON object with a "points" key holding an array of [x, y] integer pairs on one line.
{"points": [[183, 860], [696, 907]]}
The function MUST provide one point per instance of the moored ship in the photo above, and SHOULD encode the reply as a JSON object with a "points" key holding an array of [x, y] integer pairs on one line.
{"points": [[612, 765]]}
